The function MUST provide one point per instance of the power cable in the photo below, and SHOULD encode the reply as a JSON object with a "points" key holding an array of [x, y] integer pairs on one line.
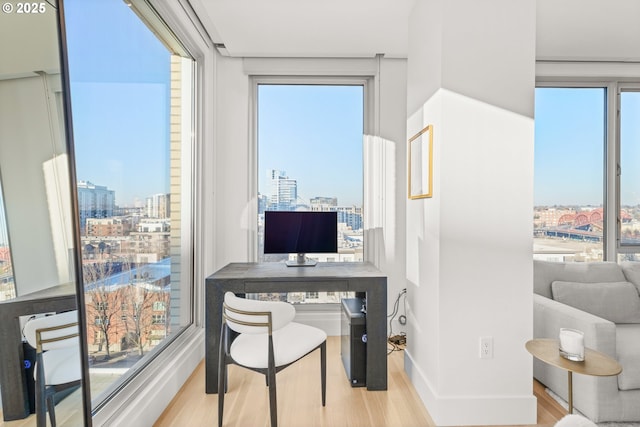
{"points": [[397, 340]]}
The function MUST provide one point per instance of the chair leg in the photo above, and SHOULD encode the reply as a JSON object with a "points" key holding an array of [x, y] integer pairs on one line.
{"points": [[41, 411], [222, 377], [40, 391], [222, 386], [323, 370], [52, 410], [273, 405]]}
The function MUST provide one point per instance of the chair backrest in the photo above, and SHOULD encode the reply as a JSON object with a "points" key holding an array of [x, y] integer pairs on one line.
{"points": [[248, 316], [54, 331]]}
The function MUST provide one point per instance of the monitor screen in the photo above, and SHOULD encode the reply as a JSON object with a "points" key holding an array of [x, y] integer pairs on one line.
{"points": [[288, 232]]}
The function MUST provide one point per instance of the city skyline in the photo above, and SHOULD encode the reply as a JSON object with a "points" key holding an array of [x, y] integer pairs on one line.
{"points": [[315, 134], [281, 191]]}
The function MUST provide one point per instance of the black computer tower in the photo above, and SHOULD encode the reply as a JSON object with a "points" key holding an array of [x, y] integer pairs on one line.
{"points": [[29, 369], [353, 341]]}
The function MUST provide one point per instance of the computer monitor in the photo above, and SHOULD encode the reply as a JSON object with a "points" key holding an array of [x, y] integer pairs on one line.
{"points": [[300, 232]]}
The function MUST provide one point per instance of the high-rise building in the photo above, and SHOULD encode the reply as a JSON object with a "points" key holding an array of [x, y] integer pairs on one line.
{"points": [[350, 215], [94, 201], [159, 206], [284, 191], [263, 203], [323, 203], [108, 227]]}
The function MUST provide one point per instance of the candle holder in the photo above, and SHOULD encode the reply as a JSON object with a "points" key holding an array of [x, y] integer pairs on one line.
{"points": [[572, 344]]}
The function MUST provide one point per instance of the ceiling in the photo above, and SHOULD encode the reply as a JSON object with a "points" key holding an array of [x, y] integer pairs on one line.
{"points": [[37, 49], [566, 29], [307, 28]]}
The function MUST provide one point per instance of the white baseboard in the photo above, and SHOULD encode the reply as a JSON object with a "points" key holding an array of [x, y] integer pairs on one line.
{"points": [[328, 321], [141, 402], [470, 410]]}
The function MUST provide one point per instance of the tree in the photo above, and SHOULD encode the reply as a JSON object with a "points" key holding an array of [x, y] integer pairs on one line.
{"points": [[102, 301], [137, 311]]}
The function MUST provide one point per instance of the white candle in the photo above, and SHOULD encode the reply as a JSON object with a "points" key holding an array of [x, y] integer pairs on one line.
{"points": [[572, 344]]}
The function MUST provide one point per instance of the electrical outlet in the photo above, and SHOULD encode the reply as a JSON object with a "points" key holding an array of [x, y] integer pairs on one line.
{"points": [[486, 347]]}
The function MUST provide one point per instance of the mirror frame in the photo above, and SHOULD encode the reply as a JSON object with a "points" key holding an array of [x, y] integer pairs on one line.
{"points": [[77, 255]]}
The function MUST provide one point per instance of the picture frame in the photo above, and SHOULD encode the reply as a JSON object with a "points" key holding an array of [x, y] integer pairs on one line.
{"points": [[420, 166]]}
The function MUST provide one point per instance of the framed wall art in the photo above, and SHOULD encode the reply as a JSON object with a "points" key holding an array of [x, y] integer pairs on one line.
{"points": [[421, 164]]}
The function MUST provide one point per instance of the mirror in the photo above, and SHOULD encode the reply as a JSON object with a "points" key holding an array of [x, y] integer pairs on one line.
{"points": [[38, 202], [7, 284]]}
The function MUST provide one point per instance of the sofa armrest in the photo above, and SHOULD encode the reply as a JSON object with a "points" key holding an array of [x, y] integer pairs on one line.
{"points": [[596, 397], [550, 315]]}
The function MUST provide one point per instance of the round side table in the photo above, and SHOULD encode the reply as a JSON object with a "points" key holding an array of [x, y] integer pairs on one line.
{"points": [[594, 363]]}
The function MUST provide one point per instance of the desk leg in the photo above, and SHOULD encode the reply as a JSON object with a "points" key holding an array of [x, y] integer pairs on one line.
{"points": [[570, 410], [377, 337], [15, 400], [213, 320]]}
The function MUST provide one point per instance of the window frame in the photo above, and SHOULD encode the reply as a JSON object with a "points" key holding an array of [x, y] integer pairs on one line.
{"points": [[612, 245], [255, 81], [622, 248], [179, 22]]}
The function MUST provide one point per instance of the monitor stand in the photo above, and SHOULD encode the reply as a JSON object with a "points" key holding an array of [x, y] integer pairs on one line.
{"points": [[301, 261]]}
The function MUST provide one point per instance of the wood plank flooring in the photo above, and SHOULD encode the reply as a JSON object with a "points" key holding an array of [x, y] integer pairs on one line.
{"points": [[299, 402], [68, 414]]}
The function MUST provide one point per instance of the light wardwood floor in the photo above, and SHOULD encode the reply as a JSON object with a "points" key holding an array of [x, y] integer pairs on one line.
{"points": [[299, 403], [68, 414]]}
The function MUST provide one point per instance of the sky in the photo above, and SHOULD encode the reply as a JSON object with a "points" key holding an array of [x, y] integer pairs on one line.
{"points": [[119, 75], [119, 92], [119, 86], [569, 147], [313, 133], [630, 149]]}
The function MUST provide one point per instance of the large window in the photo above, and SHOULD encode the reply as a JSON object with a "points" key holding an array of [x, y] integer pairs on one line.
{"points": [[131, 96], [310, 159], [630, 173], [569, 173], [587, 196]]}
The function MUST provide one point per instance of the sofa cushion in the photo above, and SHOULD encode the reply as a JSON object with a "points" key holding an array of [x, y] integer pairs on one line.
{"points": [[628, 350], [545, 272], [631, 271], [617, 302]]}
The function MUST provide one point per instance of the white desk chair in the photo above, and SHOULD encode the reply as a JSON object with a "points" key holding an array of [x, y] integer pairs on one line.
{"points": [[57, 345], [268, 342]]}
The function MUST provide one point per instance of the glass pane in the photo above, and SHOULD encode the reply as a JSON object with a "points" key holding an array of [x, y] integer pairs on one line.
{"points": [[629, 171], [7, 285], [310, 159], [131, 100], [569, 174]]}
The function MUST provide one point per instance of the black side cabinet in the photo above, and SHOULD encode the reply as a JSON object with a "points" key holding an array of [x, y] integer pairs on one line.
{"points": [[353, 341]]}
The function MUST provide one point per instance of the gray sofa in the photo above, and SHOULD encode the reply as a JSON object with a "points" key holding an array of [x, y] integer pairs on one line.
{"points": [[602, 299]]}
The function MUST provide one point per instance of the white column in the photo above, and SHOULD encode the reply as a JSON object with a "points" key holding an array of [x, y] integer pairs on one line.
{"points": [[471, 74]]}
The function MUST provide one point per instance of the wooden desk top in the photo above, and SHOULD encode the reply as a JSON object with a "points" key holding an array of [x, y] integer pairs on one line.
{"points": [[58, 297], [595, 363], [271, 270]]}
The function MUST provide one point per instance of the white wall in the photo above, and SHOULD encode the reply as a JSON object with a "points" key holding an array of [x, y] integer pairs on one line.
{"points": [[231, 163], [469, 247], [35, 181], [385, 183]]}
